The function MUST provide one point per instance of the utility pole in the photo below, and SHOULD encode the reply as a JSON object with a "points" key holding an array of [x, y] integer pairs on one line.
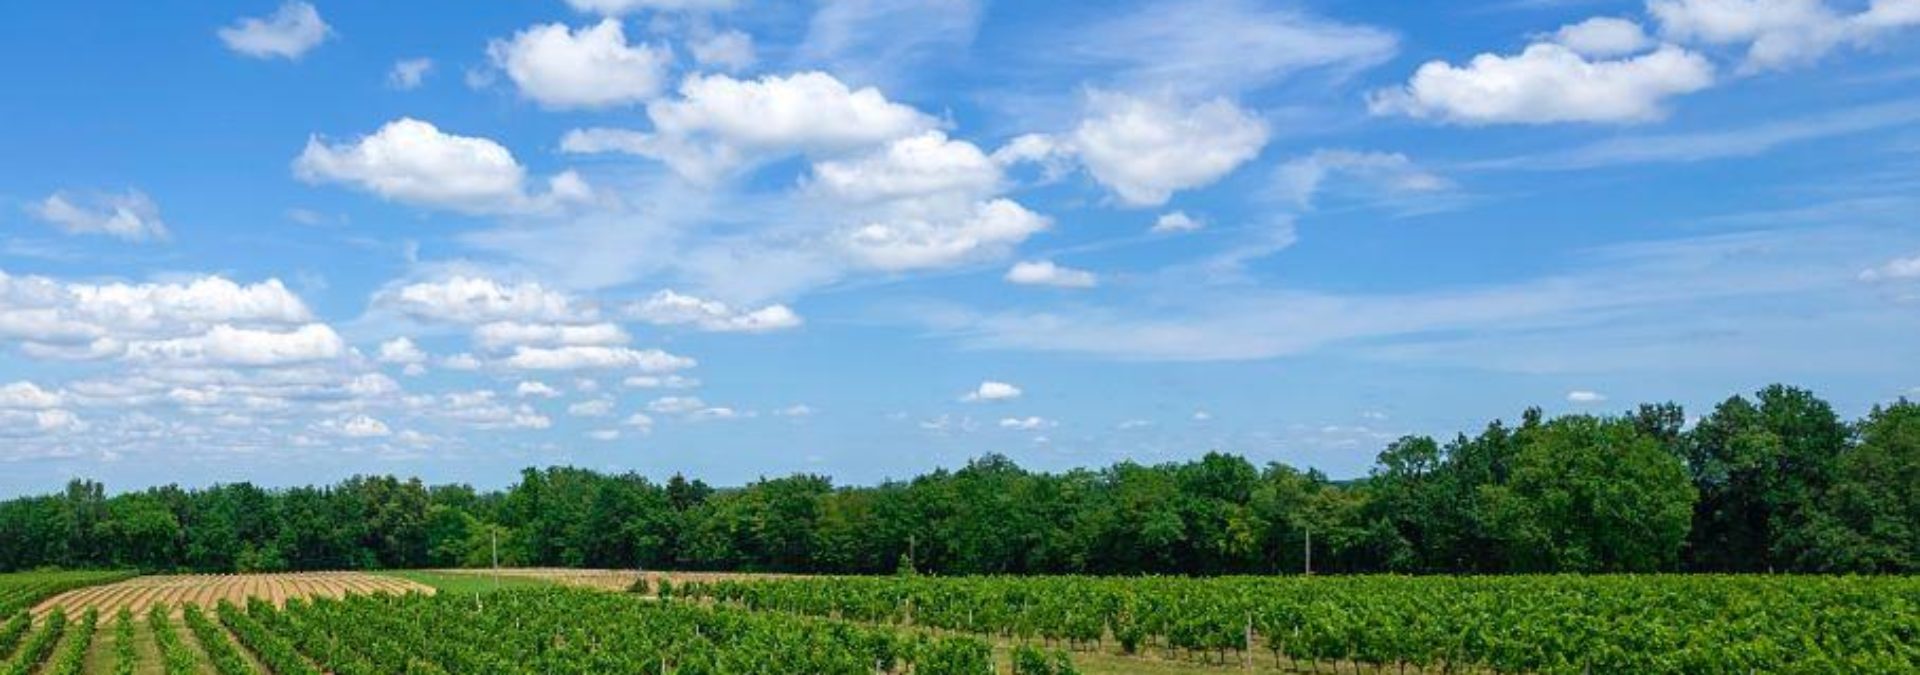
{"points": [[495, 531], [1309, 550]]}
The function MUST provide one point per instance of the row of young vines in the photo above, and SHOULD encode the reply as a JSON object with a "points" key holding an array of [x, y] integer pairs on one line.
{"points": [[1537, 624], [582, 631]]}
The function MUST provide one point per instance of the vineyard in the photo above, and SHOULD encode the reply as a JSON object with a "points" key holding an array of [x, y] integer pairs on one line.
{"points": [[555, 621], [1542, 624]]}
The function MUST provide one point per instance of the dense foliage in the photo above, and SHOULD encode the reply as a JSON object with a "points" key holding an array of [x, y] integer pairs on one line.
{"points": [[1541, 624], [1775, 481], [557, 630]]}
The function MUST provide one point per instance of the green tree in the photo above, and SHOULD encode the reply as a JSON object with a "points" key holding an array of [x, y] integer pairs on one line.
{"points": [[1591, 495]]}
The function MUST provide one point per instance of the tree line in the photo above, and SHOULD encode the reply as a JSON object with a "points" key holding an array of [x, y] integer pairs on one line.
{"points": [[1773, 482]]}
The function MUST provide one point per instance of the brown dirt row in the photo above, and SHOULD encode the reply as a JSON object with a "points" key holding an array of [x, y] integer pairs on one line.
{"points": [[140, 593]]}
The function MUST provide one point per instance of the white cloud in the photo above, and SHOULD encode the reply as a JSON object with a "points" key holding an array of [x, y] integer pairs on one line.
{"points": [[461, 362], [1781, 33], [1202, 416], [76, 320], [475, 300], [731, 51], [1146, 149], [925, 165], [290, 32], [715, 413], [659, 382], [1174, 222], [357, 426], [1301, 179], [719, 124], [1893, 270], [1604, 37], [924, 201], [987, 229], [689, 408], [401, 351], [481, 409], [1547, 83], [639, 421], [1027, 423], [669, 308], [131, 216], [625, 7], [604, 434], [531, 388], [797, 410], [408, 74], [675, 405], [596, 358], [991, 390], [591, 67], [29, 396], [599, 407], [226, 345], [412, 161], [1584, 396], [501, 335], [1046, 273]]}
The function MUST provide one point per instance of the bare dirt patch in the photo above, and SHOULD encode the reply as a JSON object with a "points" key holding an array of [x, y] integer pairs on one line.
{"points": [[207, 590]]}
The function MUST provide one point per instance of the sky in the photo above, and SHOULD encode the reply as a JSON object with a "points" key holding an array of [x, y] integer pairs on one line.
{"points": [[293, 242]]}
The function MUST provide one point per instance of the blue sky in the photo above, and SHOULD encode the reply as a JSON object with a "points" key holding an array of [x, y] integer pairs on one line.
{"points": [[289, 243]]}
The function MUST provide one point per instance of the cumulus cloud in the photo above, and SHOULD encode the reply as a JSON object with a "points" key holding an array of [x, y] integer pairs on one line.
{"points": [[596, 358], [659, 382], [1027, 423], [1046, 273], [669, 308], [401, 351], [589, 67], [1299, 180], [57, 319], [408, 74], [411, 161], [226, 345], [476, 300], [985, 229], [990, 390], [1145, 149], [481, 409], [502, 335], [1548, 83], [1604, 37], [924, 201], [599, 407], [730, 51], [289, 32], [29, 396], [357, 426], [1585, 396], [130, 215], [927, 165], [532, 388], [719, 124], [1781, 33], [1175, 222], [1894, 270]]}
